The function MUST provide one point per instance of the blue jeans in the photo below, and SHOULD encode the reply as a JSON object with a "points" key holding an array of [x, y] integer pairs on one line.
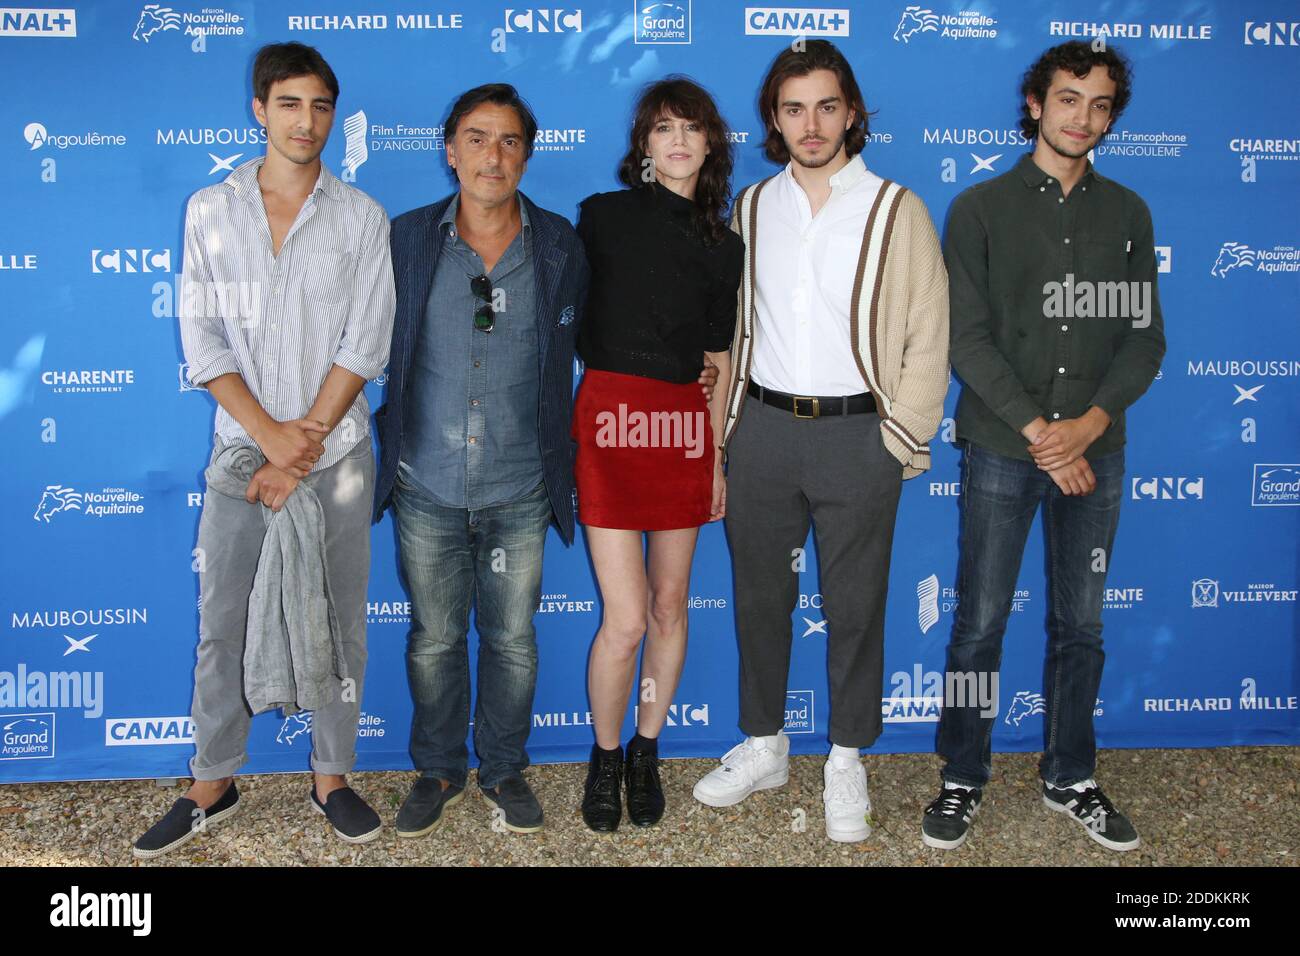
{"points": [[451, 557], [999, 498]]}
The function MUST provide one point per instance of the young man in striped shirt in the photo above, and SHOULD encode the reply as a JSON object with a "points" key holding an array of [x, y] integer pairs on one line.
{"points": [[287, 311]]}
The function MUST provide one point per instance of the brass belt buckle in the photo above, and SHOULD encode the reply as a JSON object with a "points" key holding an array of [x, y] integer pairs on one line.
{"points": [[816, 410]]}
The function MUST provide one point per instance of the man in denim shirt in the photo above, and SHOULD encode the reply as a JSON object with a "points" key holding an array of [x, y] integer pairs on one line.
{"points": [[1041, 421]]}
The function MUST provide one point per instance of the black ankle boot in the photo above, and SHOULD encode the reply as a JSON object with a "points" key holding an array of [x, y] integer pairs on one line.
{"points": [[602, 799], [645, 796]]}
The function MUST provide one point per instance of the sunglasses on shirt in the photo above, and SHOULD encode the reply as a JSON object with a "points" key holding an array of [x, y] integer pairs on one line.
{"points": [[485, 316]]}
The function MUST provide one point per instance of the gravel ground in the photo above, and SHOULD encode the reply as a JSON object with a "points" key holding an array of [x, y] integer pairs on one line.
{"points": [[1226, 807]]}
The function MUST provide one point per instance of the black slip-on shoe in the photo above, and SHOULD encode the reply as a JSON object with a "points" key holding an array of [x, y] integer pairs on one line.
{"points": [[520, 810], [422, 811], [351, 817], [183, 822]]}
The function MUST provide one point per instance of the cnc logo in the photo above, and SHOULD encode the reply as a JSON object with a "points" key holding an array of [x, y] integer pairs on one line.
{"points": [[1271, 34], [1168, 489], [104, 261], [552, 20]]}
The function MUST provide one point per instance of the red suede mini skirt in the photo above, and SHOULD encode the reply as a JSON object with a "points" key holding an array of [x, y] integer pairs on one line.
{"points": [[645, 453]]}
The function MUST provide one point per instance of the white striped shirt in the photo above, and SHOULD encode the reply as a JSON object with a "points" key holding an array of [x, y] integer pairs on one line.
{"points": [[283, 321]]}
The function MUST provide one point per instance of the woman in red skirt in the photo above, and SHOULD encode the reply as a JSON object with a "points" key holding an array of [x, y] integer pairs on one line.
{"points": [[665, 272]]}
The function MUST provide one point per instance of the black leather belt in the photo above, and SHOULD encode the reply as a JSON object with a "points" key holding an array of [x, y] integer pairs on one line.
{"points": [[814, 406]]}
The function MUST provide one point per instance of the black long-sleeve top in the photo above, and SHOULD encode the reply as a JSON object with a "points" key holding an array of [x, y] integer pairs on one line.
{"points": [[659, 296]]}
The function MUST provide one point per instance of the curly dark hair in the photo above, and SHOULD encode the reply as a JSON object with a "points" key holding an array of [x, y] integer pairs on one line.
{"points": [[683, 98], [815, 55], [1078, 58]]}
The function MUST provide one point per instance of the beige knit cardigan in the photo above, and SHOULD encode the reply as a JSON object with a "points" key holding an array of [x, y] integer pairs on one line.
{"points": [[898, 318]]}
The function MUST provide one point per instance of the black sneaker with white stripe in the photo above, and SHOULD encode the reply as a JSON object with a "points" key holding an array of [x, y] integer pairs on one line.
{"points": [[947, 820], [1089, 808]]}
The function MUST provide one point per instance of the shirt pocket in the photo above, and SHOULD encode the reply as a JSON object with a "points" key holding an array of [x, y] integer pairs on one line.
{"points": [[327, 276], [1105, 259]]}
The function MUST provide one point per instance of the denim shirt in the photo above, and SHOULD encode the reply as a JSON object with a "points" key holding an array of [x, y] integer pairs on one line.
{"points": [[472, 437]]}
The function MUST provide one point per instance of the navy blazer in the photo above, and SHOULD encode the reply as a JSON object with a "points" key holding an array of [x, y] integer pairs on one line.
{"points": [[561, 277]]}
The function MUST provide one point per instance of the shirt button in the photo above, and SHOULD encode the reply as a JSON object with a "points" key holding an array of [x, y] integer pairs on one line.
{"points": [[1065, 328], [476, 364], [473, 441], [1042, 189], [473, 401], [1067, 240], [1061, 370], [1054, 415], [1049, 179], [1059, 199]]}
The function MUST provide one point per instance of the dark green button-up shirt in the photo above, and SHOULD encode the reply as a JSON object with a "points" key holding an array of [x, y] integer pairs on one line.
{"points": [[1054, 305]]}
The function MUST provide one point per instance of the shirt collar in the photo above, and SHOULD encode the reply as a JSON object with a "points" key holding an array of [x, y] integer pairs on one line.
{"points": [[244, 181], [447, 223], [848, 176], [1033, 175]]}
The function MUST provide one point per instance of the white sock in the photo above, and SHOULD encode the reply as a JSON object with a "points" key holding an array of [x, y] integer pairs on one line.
{"points": [[843, 756], [1081, 786], [949, 785]]}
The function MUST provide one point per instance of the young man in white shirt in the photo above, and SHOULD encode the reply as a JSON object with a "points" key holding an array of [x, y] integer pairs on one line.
{"points": [[839, 372], [286, 358]]}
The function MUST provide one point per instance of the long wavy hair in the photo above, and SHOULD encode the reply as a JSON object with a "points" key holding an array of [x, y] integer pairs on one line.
{"points": [[682, 98]]}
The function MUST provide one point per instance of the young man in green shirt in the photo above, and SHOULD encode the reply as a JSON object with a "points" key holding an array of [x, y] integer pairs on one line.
{"points": [[1055, 330]]}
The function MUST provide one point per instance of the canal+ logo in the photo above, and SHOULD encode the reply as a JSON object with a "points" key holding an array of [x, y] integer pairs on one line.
{"points": [[26, 22]]}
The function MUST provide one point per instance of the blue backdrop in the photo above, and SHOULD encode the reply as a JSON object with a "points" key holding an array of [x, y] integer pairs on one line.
{"points": [[117, 111]]}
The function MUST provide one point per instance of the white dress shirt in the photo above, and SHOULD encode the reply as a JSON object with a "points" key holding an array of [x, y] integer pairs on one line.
{"points": [[804, 276], [282, 321]]}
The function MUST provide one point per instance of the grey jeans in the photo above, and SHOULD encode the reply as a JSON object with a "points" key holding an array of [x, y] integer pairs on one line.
{"points": [[230, 540], [784, 473]]}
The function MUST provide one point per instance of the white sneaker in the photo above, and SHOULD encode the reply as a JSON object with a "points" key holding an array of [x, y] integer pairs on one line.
{"points": [[847, 805], [746, 767]]}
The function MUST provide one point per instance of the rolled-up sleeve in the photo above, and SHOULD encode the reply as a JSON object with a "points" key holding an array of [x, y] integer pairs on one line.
{"points": [[368, 331], [203, 334]]}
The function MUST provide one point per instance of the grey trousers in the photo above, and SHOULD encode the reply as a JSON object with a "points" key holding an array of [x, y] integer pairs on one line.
{"points": [[230, 540], [782, 473]]}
